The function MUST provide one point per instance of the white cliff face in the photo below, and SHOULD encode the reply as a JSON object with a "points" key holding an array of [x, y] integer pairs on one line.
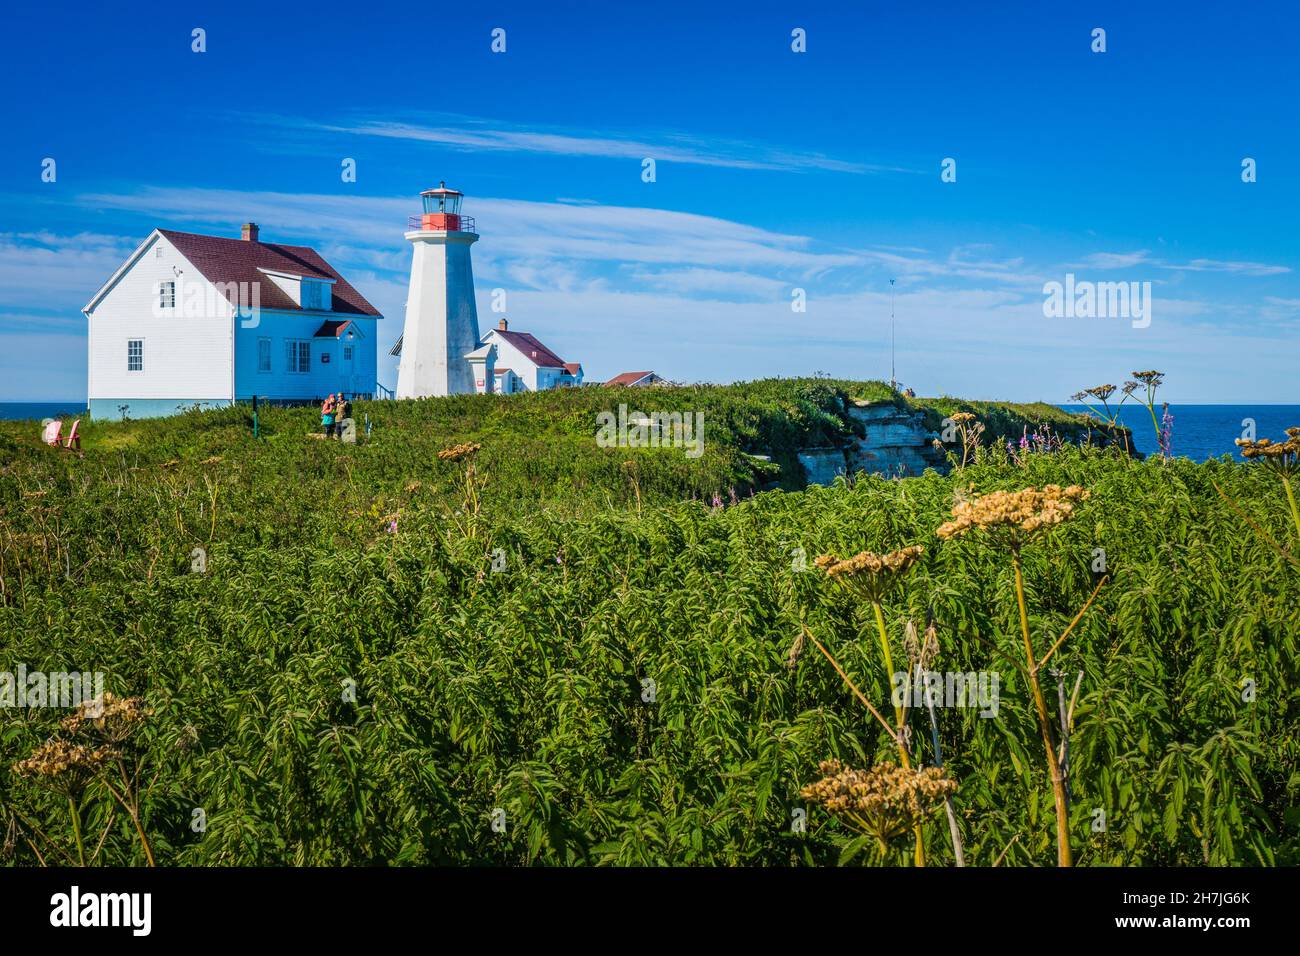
{"points": [[895, 443], [441, 317]]}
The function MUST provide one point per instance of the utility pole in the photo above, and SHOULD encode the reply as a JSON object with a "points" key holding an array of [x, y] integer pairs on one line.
{"points": [[893, 380]]}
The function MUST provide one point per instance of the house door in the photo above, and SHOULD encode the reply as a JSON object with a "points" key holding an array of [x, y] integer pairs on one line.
{"points": [[347, 368]]}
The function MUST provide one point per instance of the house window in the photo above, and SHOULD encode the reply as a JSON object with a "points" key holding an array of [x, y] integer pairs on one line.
{"points": [[297, 355], [135, 355], [347, 353], [315, 295], [167, 295], [264, 355], [158, 251], [324, 358]]}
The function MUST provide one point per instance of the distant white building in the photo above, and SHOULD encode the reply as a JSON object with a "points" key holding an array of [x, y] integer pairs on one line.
{"points": [[209, 320], [638, 379], [523, 364]]}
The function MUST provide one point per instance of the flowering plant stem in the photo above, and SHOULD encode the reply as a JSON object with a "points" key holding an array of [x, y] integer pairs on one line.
{"points": [[898, 719], [76, 828], [132, 807], [919, 855], [1063, 855], [1290, 498], [958, 851]]}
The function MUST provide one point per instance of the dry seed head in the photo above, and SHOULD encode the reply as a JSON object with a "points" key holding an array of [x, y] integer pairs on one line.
{"points": [[1152, 379], [1282, 455], [63, 765], [457, 452], [1102, 392], [929, 646], [796, 649], [872, 573], [110, 718], [1029, 510], [886, 801], [911, 646]]}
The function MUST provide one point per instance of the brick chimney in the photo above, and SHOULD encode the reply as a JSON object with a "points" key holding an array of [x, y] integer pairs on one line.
{"points": [[503, 325], [249, 232]]}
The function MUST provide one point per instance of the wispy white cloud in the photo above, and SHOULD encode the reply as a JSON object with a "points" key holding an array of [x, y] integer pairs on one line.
{"points": [[44, 270], [701, 298], [1113, 260], [1235, 268], [476, 134], [1141, 257], [518, 229]]}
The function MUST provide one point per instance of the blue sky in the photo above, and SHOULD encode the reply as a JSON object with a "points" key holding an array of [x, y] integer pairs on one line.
{"points": [[775, 171]]}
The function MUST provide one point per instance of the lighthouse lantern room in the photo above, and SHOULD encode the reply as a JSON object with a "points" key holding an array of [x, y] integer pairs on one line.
{"points": [[442, 211]]}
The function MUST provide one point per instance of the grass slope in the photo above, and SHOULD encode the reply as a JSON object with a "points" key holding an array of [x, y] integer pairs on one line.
{"points": [[627, 687]]}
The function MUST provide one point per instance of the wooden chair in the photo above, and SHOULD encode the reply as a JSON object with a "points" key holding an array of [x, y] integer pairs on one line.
{"points": [[72, 439], [51, 434]]}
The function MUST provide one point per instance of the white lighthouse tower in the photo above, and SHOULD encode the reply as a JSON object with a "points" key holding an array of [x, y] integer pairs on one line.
{"points": [[441, 328]]}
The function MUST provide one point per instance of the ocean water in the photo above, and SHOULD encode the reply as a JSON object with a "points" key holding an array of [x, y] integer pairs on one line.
{"points": [[1201, 432], [39, 410]]}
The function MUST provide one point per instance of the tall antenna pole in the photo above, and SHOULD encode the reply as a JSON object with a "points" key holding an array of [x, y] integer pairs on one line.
{"points": [[893, 381]]}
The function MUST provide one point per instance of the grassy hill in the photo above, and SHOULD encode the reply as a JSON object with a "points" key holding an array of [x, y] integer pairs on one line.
{"points": [[538, 447], [372, 665]]}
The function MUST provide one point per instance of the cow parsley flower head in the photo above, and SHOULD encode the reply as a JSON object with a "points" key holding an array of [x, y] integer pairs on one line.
{"points": [[1017, 512], [885, 801], [871, 573], [457, 452]]}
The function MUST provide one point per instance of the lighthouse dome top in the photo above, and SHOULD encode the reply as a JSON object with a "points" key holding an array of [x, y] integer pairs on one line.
{"points": [[441, 200]]}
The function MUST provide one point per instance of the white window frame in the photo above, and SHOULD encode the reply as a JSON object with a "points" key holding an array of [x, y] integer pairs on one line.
{"points": [[297, 353], [129, 343], [262, 342], [167, 295]]}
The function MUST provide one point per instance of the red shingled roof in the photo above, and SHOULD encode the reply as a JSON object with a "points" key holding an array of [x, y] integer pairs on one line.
{"points": [[332, 328], [525, 343], [628, 378], [573, 368], [238, 260]]}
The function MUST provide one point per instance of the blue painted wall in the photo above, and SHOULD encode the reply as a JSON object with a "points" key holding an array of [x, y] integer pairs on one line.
{"points": [[108, 410], [324, 376]]}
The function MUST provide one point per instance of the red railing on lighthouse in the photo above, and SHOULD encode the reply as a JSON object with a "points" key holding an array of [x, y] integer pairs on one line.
{"points": [[442, 222]]}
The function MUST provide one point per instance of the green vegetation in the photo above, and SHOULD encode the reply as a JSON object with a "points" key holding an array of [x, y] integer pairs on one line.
{"points": [[349, 681]]}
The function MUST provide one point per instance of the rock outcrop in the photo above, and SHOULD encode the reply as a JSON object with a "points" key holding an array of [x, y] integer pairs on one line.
{"points": [[895, 442]]}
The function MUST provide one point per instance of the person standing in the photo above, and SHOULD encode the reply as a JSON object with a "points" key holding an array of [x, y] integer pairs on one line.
{"points": [[327, 416]]}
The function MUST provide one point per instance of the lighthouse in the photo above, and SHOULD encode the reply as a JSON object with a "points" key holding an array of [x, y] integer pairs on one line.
{"points": [[440, 348]]}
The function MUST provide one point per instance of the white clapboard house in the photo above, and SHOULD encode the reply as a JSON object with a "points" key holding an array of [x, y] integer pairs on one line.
{"points": [[192, 320]]}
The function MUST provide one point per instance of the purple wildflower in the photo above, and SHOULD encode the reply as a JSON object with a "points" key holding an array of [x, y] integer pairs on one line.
{"points": [[1167, 433]]}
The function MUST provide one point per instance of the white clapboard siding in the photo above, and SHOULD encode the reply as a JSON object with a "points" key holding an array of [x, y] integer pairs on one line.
{"points": [[186, 356]]}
